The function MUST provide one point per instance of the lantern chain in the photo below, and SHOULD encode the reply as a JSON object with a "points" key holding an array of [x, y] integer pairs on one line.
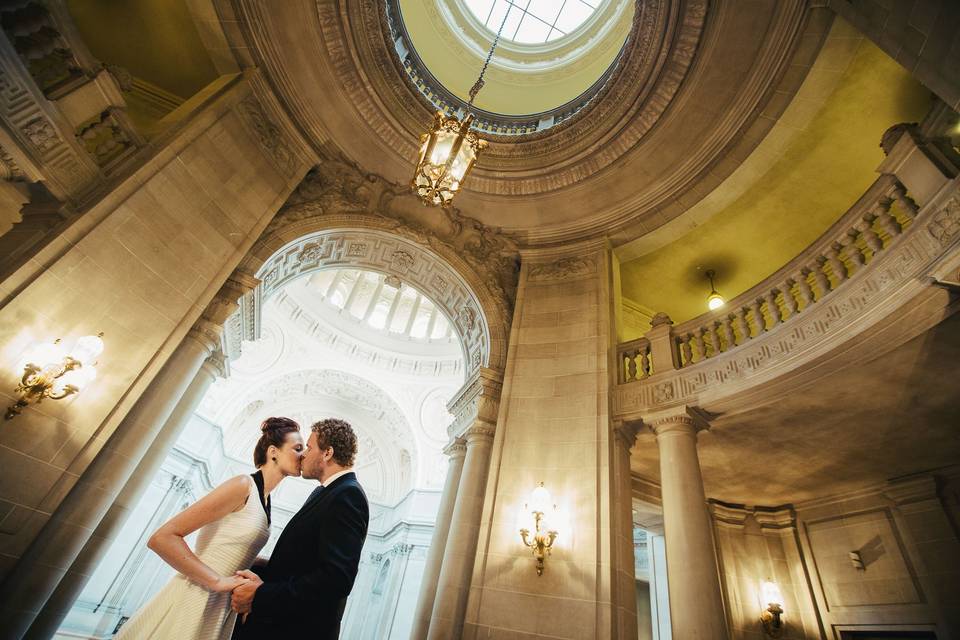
{"points": [[475, 89]]}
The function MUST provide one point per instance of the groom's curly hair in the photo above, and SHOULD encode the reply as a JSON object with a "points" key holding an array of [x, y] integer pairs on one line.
{"points": [[336, 433]]}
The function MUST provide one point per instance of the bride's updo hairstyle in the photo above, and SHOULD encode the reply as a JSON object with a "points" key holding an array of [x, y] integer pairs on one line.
{"points": [[275, 432]]}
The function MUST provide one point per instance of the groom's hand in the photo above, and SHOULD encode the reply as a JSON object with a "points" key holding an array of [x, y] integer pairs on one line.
{"points": [[242, 599]]}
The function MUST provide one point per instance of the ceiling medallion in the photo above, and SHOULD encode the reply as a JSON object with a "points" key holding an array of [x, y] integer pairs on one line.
{"points": [[449, 150]]}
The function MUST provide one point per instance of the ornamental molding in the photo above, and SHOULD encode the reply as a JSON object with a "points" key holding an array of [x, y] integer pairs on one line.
{"points": [[565, 268], [476, 405], [345, 217], [672, 46], [870, 297], [269, 135]]}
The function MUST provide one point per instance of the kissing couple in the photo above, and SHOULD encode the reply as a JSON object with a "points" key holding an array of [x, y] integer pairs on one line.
{"points": [[312, 567]]}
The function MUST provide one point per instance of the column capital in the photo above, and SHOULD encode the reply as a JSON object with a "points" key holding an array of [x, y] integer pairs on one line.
{"points": [[684, 419], [217, 364], [477, 402], [207, 333], [625, 431], [456, 449], [479, 432], [227, 300]]}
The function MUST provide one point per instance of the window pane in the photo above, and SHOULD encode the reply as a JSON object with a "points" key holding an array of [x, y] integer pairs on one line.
{"points": [[532, 30]]}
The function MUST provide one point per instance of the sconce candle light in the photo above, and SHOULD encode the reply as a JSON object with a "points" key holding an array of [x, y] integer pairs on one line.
{"points": [[542, 540], [771, 601], [51, 371]]}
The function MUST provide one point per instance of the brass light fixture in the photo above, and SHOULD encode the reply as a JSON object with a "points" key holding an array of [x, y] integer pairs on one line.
{"points": [[714, 300], [50, 371], [771, 602], [543, 537], [449, 150]]}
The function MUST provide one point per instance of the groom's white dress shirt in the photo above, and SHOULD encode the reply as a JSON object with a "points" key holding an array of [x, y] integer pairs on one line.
{"points": [[329, 481]]}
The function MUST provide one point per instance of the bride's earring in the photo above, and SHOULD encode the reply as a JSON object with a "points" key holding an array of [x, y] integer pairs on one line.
{"points": [[274, 459]]}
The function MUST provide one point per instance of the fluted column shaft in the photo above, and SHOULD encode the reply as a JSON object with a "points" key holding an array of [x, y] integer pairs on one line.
{"points": [[72, 584], [453, 586], [431, 571], [695, 603]]}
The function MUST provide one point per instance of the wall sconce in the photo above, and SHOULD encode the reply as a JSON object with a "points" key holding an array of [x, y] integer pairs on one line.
{"points": [[857, 561], [539, 507], [51, 371], [714, 300], [771, 601]]}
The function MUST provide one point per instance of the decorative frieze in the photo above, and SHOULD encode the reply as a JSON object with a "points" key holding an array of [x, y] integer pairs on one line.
{"points": [[564, 268], [476, 405], [269, 134]]}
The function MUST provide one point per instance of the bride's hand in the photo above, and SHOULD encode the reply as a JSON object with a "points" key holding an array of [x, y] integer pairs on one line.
{"points": [[226, 584]]}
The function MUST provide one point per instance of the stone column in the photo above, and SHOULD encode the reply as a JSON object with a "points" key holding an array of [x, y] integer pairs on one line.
{"points": [[624, 609], [453, 586], [696, 607], [58, 545], [431, 571], [81, 570], [475, 408]]}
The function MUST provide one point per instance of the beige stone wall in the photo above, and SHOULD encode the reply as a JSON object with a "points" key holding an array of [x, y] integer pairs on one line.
{"points": [[554, 428], [910, 551], [139, 266], [905, 537]]}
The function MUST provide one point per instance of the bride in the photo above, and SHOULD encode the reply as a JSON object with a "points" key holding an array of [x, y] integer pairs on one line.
{"points": [[234, 524]]}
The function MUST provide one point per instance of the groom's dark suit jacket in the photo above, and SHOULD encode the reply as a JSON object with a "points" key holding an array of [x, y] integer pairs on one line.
{"points": [[312, 567]]}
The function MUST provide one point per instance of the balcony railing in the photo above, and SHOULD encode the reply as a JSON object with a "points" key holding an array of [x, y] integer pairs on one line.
{"points": [[827, 291]]}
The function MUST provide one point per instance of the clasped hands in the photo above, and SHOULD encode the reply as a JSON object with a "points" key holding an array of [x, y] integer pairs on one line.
{"points": [[241, 600]]}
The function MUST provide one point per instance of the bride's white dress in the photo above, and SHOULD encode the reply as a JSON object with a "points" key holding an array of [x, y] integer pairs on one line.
{"points": [[183, 610]]}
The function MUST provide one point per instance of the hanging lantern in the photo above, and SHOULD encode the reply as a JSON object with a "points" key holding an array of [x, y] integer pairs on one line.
{"points": [[447, 153], [449, 149]]}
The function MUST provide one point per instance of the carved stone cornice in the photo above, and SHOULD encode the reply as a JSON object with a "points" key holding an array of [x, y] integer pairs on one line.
{"points": [[477, 403], [207, 333], [625, 432], [217, 364]]}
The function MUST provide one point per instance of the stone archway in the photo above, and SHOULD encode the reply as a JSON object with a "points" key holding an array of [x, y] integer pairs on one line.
{"points": [[341, 216]]}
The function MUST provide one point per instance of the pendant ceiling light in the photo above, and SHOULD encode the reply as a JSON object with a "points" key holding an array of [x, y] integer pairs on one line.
{"points": [[449, 150], [714, 300]]}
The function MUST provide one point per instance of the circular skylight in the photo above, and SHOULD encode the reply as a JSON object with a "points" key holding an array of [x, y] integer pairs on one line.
{"points": [[533, 21]]}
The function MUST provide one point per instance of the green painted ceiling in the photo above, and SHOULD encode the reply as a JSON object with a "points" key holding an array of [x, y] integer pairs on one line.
{"points": [[823, 172], [156, 40]]}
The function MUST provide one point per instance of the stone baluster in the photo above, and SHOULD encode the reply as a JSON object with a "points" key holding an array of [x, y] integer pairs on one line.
{"points": [[870, 237], [837, 269], [691, 557], [710, 340], [740, 324], [757, 312], [852, 251], [476, 407], [726, 330], [789, 301], [456, 451], [645, 361], [803, 288], [686, 349], [631, 358], [907, 206], [773, 310], [820, 279], [700, 344], [128, 455], [887, 223]]}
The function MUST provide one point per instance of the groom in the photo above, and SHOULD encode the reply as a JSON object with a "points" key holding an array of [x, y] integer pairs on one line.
{"points": [[314, 564]]}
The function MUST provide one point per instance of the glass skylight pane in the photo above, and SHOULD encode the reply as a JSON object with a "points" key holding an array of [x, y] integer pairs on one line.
{"points": [[554, 34], [532, 30], [574, 13], [480, 8], [513, 21], [495, 17], [546, 10]]}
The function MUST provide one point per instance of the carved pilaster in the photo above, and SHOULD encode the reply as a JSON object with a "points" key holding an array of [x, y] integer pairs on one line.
{"points": [[476, 405]]}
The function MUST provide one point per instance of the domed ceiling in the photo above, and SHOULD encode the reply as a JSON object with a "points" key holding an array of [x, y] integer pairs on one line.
{"points": [[694, 89]]}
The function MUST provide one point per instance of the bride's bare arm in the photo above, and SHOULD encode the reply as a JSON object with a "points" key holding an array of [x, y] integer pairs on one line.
{"points": [[168, 541]]}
